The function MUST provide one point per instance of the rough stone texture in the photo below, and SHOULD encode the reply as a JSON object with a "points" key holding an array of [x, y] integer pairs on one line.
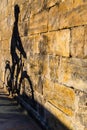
{"points": [[73, 73], [54, 66], [38, 23], [58, 42], [72, 15], [78, 41], [65, 104], [54, 36], [37, 6], [53, 23], [50, 3]]}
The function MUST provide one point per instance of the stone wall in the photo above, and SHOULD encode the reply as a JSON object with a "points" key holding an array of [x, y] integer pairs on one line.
{"points": [[54, 37]]}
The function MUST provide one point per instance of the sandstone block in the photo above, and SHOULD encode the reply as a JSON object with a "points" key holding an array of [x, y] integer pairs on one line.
{"points": [[63, 99], [62, 45], [33, 62], [74, 16], [5, 45], [37, 6], [25, 11], [36, 45], [38, 23], [43, 62], [53, 22], [48, 88], [58, 43], [24, 28], [78, 41], [54, 67], [28, 43], [73, 72]]}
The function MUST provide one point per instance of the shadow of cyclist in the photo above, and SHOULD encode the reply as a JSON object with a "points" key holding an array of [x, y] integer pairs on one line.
{"points": [[16, 45]]}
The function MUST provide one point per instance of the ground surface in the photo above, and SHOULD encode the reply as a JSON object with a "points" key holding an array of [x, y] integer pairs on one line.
{"points": [[13, 117]]}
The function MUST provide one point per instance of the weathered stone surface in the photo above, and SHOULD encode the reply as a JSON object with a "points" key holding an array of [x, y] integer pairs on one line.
{"points": [[82, 109], [64, 99], [73, 72], [43, 63], [36, 45], [54, 67], [24, 28], [50, 3], [6, 32], [85, 42], [25, 11], [42, 46], [62, 45], [73, 16], [48, 88], [38, 23], [33, 62], [79, 2], [0, 36], [58, 42], [6, 45], [78, 41], [37, 6], [53, 23]]}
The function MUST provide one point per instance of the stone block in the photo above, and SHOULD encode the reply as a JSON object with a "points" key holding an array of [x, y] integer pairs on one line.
{"points": [[82, 104], [54, 67], [58, 43], [48, 88], [71, 15], [78, 41], [33, 62], [24, 28], [62, 44], [73, 72], [25, 11], [53, 21], [5, 45], [43, 62], [38, 23], [28, 43], [63, 99], [51, 38], [36, 45], [78, 2], [37, 6]]}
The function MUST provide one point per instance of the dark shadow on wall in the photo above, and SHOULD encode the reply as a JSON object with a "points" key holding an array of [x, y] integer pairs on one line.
{"points": [[23, 85], [16, 45], [15, 77]]}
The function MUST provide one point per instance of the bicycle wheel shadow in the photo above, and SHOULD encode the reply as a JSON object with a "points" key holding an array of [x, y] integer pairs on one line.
{"points": [[26, 88]]}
